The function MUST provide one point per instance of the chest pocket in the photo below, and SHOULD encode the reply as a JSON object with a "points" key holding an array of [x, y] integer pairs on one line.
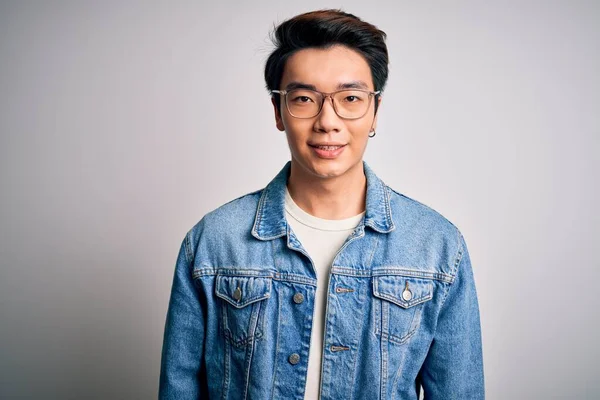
{"points": [[243, 307], [399, 305]]}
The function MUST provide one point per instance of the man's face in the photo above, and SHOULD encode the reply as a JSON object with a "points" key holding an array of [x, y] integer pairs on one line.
{"points": [[327, 70]]}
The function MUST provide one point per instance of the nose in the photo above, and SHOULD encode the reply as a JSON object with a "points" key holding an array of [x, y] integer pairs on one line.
{"points": [[327, 120]]}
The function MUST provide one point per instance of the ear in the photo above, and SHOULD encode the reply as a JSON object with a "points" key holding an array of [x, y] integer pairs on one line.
{"points": [[374, 124], [278, 120]]}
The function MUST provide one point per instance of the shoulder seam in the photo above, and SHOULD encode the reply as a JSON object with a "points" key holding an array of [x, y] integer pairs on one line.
{"points": [[457, 261], [417, 202], [188, 252]]}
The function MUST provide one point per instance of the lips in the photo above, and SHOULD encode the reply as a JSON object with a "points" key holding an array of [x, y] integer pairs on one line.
{"points": [[329, 147], [327, 150]]}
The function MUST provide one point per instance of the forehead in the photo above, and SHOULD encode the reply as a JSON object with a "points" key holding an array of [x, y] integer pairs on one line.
{"points": [[328, 68]]}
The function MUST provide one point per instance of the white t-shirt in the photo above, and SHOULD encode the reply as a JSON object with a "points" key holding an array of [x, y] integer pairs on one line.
{"points": [[321, 238]]}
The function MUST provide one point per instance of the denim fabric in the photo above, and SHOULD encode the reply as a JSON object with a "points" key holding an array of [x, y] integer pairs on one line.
{"points": [[402, 309]]}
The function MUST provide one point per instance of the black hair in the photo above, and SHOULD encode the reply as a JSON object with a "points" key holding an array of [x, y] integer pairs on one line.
{"points": [[323, 29]]}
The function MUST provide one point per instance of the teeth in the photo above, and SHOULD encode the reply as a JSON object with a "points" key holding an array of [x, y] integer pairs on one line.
{"points": [[328, 147]]}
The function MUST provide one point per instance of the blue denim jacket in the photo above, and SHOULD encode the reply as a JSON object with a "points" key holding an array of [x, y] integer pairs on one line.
{"points": [[401, 313]]}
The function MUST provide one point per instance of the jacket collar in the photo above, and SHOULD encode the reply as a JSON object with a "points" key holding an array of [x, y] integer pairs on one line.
{"points": [[270, 222]]}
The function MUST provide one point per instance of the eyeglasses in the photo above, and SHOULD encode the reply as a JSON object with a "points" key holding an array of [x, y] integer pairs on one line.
{"points": [[347, 103]]}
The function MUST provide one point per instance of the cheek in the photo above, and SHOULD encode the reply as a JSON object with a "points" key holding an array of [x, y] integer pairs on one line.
{"points": [[297, 129], [360, 131]]}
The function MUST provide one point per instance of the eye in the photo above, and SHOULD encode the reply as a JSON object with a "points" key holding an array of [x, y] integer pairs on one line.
{"points": [[301, 99], [353, 96]]}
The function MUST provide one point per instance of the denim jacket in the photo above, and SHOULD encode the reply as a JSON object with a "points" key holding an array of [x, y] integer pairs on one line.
{"points": [[401, 314]]}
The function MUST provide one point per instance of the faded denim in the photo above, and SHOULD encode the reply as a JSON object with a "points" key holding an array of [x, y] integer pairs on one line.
{"points": [[402, 308]]}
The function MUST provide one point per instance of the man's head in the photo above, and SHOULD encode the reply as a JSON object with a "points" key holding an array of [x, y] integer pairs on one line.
{"points": [[323, 29], [326, 75]]}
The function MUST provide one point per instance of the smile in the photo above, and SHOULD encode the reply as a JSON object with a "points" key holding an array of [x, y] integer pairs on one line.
{"points": [[328, 147], [328, 151]]}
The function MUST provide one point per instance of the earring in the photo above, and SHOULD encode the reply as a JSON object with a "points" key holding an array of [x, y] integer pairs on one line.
{"points": [[373, 133]]}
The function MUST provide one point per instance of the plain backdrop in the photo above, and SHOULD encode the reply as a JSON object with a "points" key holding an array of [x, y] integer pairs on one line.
{"points": [[123, 123]]}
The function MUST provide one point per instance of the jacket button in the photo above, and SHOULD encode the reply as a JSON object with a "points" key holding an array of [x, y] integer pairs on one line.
{"points": [[298, 298], [237, 294], [294, 358]]}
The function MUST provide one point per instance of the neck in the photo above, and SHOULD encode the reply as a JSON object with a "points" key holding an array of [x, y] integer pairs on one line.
{"points": [[329, 198]]}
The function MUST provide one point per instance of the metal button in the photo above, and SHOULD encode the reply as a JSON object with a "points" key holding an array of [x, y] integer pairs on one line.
{"points": [[298, 298], [406, 294], [237, 294], [294, 358]]}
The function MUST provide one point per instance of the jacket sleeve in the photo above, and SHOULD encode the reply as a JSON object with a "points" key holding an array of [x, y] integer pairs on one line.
{"points": [[453, 368], [180, 373]]}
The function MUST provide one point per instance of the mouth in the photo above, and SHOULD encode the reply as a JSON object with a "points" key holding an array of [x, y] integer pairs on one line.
{"points": [[327, 151], [327, 147]]}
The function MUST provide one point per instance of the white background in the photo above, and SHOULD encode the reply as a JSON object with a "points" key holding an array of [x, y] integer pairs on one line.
{"points": [[123, 123]]}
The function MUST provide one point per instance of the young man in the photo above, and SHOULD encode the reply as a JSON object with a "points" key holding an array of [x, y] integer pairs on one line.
{"points": [[326, 283]]}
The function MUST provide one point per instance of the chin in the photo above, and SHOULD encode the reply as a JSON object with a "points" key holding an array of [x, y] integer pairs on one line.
{"points": [[323, 168], [329, 169]]}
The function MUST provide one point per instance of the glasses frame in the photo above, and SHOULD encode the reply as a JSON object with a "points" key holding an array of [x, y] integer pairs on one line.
{"points": [[324, 96]]}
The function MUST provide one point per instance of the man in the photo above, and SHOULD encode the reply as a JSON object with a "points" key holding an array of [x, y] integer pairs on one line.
{"points": [[326, 283]]}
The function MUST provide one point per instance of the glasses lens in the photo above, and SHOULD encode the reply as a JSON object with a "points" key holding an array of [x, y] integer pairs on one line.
{"points": [[351, 103], [303, 103]]}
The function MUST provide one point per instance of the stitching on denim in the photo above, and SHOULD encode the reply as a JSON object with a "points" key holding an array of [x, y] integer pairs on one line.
{"points": [[370, 262], [258, 219], [324, 386], [250, 349], [258, 216], [260, 324], [415, 323], [389, 208], [276, 343], [273, 256], [459, 254], [407, 305], [241, 343], [394, 338], [232, 271], [377, 310], [226, 361], [294, 278], [276, 236], [245, 341], [392, 271], [358, 346], [398, 374], [265, 294], [378, 307], [457, 262], [384, 351], [247, 364], [188, 252], [402, 339], [285, 277], [237, 305], [428, 286]]}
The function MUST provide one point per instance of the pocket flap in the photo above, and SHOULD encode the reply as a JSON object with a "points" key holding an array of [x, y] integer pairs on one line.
{"points": [[401, 290], [239, 291]]}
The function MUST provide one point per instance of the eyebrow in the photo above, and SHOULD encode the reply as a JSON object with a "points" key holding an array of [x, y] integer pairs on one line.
{"points": [[346, 85], [299, 85], [353, 85]]}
